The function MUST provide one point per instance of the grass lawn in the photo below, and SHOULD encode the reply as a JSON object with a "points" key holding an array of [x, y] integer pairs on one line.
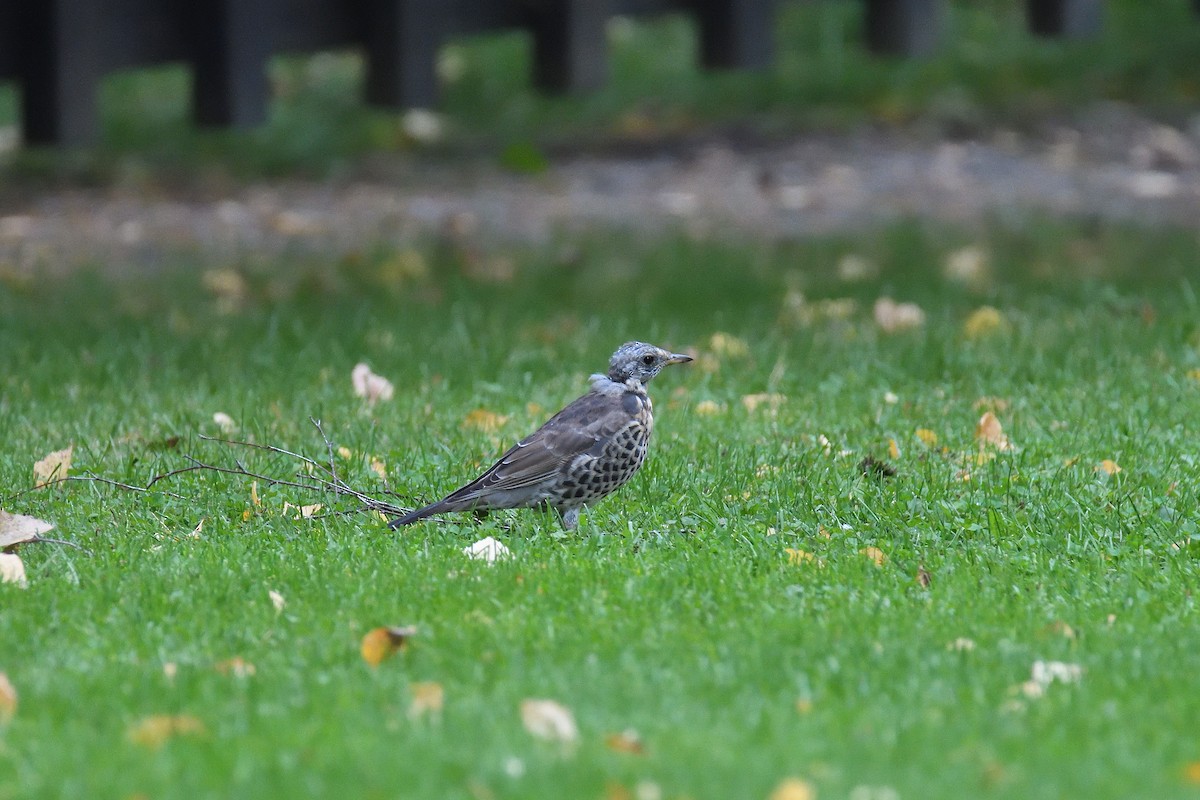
{"points": [[721, 605]]}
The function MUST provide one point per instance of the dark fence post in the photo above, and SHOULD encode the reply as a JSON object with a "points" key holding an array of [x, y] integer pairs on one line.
{"points": [[570, 44], [736, 33], [403, 37], [60, 71], [231, 41], [904, 27], [1074, 19]]}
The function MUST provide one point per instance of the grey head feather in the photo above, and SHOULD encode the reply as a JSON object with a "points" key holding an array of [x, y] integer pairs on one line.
{"points": [[640, 362]]}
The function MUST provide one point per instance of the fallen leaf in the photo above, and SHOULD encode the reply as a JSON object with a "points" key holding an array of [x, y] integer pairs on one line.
{"points": [[548, 719], [428, 697], [1108, 467], [708, 408], [725, 345], [969, 265], [18, 529], [873, 467], [983, 321], [369, 386], [345, 452], [277, 600], [8, 699], [923, 576], [804, 705], [487, 549], [305, 511], [228, 287], [627, 741], [170, 670], [380, 643], [224, 422], [962, 644], [1191, 772], [988, 431], [893, 317], [254, 493], [1060, 628], [927, 437], [794, 789], [893, 450], [236, 667], [875, 554], [770, 400], [154, 731], [483, 420], [1045, 673], [12, 570], [379, 468], [53, 468]]}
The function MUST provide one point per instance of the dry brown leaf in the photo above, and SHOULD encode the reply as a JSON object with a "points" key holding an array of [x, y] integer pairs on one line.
{"points": [[18, 528], [627, 741], [923, 576], [8, 699], [483, 420], [236, 667], [875, 554], [1108, 467], [12, 570], [369, 386], [794, 789], [154, 731], [892, 317], [989, 431], [927, 437], [380, 643], [428, 698], [53, 468], [549, 719]]}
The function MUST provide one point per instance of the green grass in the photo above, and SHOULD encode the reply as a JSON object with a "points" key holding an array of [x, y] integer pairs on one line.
{"points": [[989, 69], [674, 609]]}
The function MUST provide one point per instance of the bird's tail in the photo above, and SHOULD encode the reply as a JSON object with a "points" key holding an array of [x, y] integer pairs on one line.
{"points": [[419, 514]]}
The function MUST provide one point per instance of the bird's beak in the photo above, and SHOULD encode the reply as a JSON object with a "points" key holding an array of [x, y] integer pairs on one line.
{"points": [[679, 358]]}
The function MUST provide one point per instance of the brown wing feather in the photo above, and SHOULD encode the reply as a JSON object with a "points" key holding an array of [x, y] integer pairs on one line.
{"points": [[582, 426]]}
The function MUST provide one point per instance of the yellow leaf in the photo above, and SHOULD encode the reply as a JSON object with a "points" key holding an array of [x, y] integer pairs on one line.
{"points": [[794, 789], [246, 514], [380, 643], [1109, 467], [927, 437], [428, 697], [1194, 374], [875, 554], [483, 420], [770, 400], [725, 345], [982, 322], [627, 741], [236, 667], [53, 468], [708, 408], [893, 449], [1070, 462], [154, 731], [379, 468], [549, 719], [8, 699], [1191, 772], [345, 452], [989, 431], [795, 556]]}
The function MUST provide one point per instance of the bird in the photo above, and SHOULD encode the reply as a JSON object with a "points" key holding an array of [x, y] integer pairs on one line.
{"points": [[583, 453]]}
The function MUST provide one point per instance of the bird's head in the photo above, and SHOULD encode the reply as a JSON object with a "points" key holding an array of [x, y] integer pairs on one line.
{"points": [[641, 361]]}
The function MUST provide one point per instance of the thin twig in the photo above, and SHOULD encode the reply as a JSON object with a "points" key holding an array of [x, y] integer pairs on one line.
{"points": [[41, 539]]}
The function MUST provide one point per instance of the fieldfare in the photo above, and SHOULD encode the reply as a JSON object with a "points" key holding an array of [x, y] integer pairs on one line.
{"points": [[584, 452]]}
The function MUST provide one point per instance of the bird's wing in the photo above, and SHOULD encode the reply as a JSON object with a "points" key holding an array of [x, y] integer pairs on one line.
{"points": [[583, 426]]}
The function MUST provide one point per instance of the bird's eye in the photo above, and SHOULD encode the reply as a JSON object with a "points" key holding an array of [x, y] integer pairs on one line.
{"points": [[647, 359]]}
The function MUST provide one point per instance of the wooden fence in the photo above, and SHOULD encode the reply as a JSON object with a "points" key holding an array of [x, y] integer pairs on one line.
{"points": [[57, 51]]}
